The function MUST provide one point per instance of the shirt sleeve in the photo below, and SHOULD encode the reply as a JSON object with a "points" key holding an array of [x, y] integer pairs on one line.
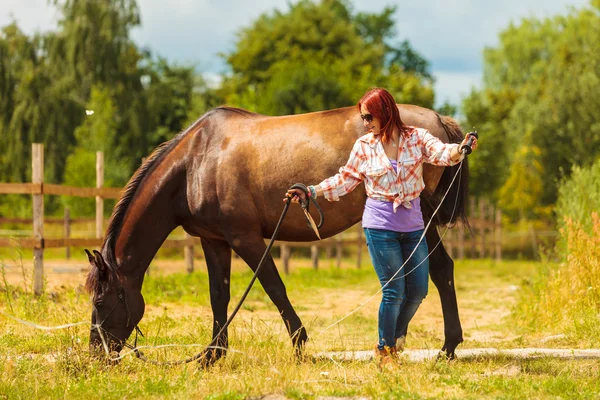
{"points": [[437, 152], [347, 179]]}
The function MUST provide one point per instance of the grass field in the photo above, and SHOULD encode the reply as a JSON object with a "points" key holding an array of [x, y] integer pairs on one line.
{"points": [[56, 364]]}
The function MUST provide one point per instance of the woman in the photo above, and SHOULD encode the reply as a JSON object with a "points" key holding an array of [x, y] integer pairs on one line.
{"points": [[388, 159]]}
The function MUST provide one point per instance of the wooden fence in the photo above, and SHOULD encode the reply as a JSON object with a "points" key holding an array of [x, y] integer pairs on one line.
{"points": [[485, 242]]}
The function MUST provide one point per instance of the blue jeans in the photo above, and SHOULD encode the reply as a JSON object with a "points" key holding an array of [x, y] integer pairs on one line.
{"points": [[402, 296]]}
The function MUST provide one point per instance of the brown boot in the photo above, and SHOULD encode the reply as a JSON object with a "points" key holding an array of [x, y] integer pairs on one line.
{"points": [[387, 358]]}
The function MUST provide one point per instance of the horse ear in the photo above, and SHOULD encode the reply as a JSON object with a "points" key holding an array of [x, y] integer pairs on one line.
{"points": [[90, 256], [99, 261]]}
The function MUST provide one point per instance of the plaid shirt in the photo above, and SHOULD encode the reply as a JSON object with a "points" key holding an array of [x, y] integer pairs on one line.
{"points": [[368, 163]]}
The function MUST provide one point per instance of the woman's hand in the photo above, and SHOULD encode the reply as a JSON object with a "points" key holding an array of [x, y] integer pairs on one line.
{"points": [[464, 142], [295, 194]]}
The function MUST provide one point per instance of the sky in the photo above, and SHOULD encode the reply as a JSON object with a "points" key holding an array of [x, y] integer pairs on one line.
{"points": [[450, 34]]}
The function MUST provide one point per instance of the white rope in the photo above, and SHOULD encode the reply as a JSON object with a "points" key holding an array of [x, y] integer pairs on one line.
{"points": [[42, 327], [105, 344]]}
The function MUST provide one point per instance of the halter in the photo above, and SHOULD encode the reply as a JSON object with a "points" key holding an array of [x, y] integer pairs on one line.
{"points": [[101, 331]]}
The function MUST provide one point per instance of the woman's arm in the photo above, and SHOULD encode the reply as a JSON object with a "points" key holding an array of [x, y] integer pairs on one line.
{"points": [[346, 180], [444, 154]]}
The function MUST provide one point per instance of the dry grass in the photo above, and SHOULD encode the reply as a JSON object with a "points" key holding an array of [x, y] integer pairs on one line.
{"points": [[566, 297]]}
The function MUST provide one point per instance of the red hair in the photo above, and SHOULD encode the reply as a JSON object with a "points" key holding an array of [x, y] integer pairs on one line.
{"points": [[381, 105]]}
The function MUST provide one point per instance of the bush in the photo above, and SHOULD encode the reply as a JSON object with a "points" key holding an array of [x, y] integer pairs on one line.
{"points": [[578, 197], [566, 297]]}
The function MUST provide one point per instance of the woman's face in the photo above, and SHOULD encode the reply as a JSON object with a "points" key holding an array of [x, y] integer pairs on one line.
{"points": [[370, 123]]}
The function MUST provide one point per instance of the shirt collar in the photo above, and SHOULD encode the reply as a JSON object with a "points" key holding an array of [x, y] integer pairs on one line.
{"points": [[371, 139]]}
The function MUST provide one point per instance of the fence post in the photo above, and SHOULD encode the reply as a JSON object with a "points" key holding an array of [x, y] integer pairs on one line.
{"points": [[67, 231], [188, 254], [37, 176], [284, 253], [472, 240], [482, 219], [314, 255], [498, 236], [329, 251], [534, 246], [99, 200]]}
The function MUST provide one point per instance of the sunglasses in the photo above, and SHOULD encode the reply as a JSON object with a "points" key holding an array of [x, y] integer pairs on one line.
{"points": [[366, 117]]}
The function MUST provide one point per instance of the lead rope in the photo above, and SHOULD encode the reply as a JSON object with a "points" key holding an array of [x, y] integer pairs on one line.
{"points": [[212, 344]]}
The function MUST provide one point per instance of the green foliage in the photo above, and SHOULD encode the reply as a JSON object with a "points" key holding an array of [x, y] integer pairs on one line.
{"points": [[320, 56], [98, 130], [204, 97], [97, 133], [448, 109], [80, 171], [540, 82], [579, 197], [522, 189], [15, 205], [486, 112], [169, 98]]}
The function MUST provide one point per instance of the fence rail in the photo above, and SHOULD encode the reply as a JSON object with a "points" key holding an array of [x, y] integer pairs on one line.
{"points": [[486, 223]]}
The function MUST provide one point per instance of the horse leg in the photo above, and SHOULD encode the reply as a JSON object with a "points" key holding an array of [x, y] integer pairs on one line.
{"points": [[441, 271], [251, 250], [218, 263]]}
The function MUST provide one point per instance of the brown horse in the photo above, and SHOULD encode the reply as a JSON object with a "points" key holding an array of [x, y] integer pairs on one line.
{"points": [[222, 180]]}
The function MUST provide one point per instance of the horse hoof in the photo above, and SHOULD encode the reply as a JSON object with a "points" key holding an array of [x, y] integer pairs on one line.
{"points": [[209, 358], [444, 355]]}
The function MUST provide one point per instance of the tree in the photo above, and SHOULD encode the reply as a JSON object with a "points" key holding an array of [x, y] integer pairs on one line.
{"points": [[521, 191], [169, 98], [317, 56], [541, 81]]}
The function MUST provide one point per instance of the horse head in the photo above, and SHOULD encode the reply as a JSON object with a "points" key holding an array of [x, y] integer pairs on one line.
{"points": [[117, 307]]}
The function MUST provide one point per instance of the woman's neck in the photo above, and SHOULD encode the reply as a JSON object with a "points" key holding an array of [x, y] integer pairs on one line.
{"points": [[395, 136]]}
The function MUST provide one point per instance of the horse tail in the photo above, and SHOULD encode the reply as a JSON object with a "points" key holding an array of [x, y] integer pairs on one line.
{"points": [[454, 207]]}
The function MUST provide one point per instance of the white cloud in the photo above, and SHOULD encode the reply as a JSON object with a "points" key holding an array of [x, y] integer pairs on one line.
{"points": [[452, 86]]}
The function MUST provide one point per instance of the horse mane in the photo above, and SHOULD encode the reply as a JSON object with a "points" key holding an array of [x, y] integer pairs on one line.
{"points": [[116, 220]]}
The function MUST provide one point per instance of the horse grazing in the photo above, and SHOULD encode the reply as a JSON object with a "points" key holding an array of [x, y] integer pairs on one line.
{"points": [[222, 180]]}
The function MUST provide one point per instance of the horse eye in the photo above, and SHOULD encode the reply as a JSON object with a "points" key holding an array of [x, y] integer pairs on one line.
{"points": [[99, 304]]}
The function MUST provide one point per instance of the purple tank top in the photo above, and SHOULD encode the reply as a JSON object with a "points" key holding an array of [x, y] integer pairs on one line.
{"points": [[379, 214]]}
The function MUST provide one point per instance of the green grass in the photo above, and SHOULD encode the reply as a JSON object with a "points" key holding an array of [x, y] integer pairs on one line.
{"points": [[37, 364]]}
